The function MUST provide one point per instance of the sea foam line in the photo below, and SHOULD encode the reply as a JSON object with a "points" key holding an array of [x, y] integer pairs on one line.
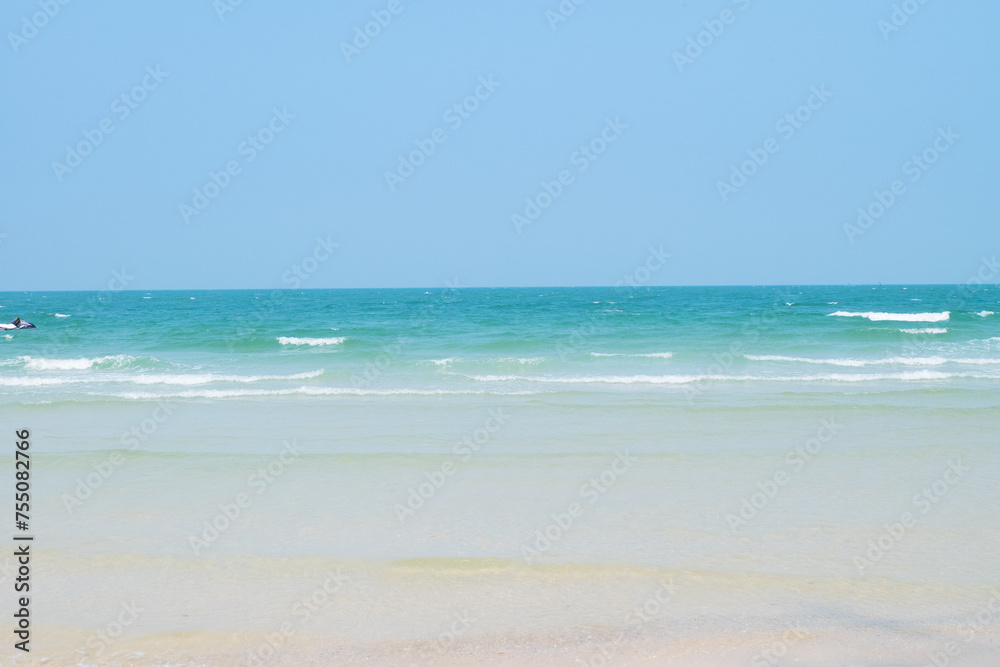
{"points": [[77, 364], [205, 378], [519, 360], [160, 378], [307, 391], [291, 340], [896, 317], [904, 361], [929, 330], [686, 379], [660, 355]]}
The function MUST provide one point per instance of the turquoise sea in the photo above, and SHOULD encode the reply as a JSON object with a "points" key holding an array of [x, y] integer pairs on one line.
{"points": [[689, 476]]}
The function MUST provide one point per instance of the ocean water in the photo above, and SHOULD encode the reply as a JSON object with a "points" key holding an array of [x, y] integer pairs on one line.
{"points": [[512, 476]]}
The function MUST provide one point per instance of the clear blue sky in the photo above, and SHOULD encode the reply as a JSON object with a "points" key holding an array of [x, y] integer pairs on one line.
{"points": [[656, 184]]}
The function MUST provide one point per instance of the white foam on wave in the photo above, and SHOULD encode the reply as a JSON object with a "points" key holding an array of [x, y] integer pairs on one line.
{"points": [[591, 379], [308, 391], [902, 361], [512, 360], [150, 378], [896, 317], [660, 355], [206, 378], [77, 364], [61, 315], [290, 340], [60, 364], [929, 330], [985, 313], [25, 381], [687, 379]]}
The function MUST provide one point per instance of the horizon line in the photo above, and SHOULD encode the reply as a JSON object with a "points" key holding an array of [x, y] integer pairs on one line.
{"points": [[493, 287]]}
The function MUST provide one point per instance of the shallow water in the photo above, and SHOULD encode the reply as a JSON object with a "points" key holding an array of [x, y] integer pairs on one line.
{"points": [[543, 461]]}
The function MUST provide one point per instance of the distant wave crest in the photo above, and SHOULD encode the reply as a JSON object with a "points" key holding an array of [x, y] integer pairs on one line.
{"points": [[290, 340], [687, 379], [896, 317], [494, 360], [304, 391], [111, 362], [206, 378], [150, 378], [660, 355], [902, 361]]}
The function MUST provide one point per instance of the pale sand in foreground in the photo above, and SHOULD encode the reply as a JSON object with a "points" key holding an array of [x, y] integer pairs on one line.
{"points": [[868, 647], [221, 610]]}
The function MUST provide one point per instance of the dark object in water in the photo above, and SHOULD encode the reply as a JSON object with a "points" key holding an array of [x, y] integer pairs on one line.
{"points": [[18, 323]]}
